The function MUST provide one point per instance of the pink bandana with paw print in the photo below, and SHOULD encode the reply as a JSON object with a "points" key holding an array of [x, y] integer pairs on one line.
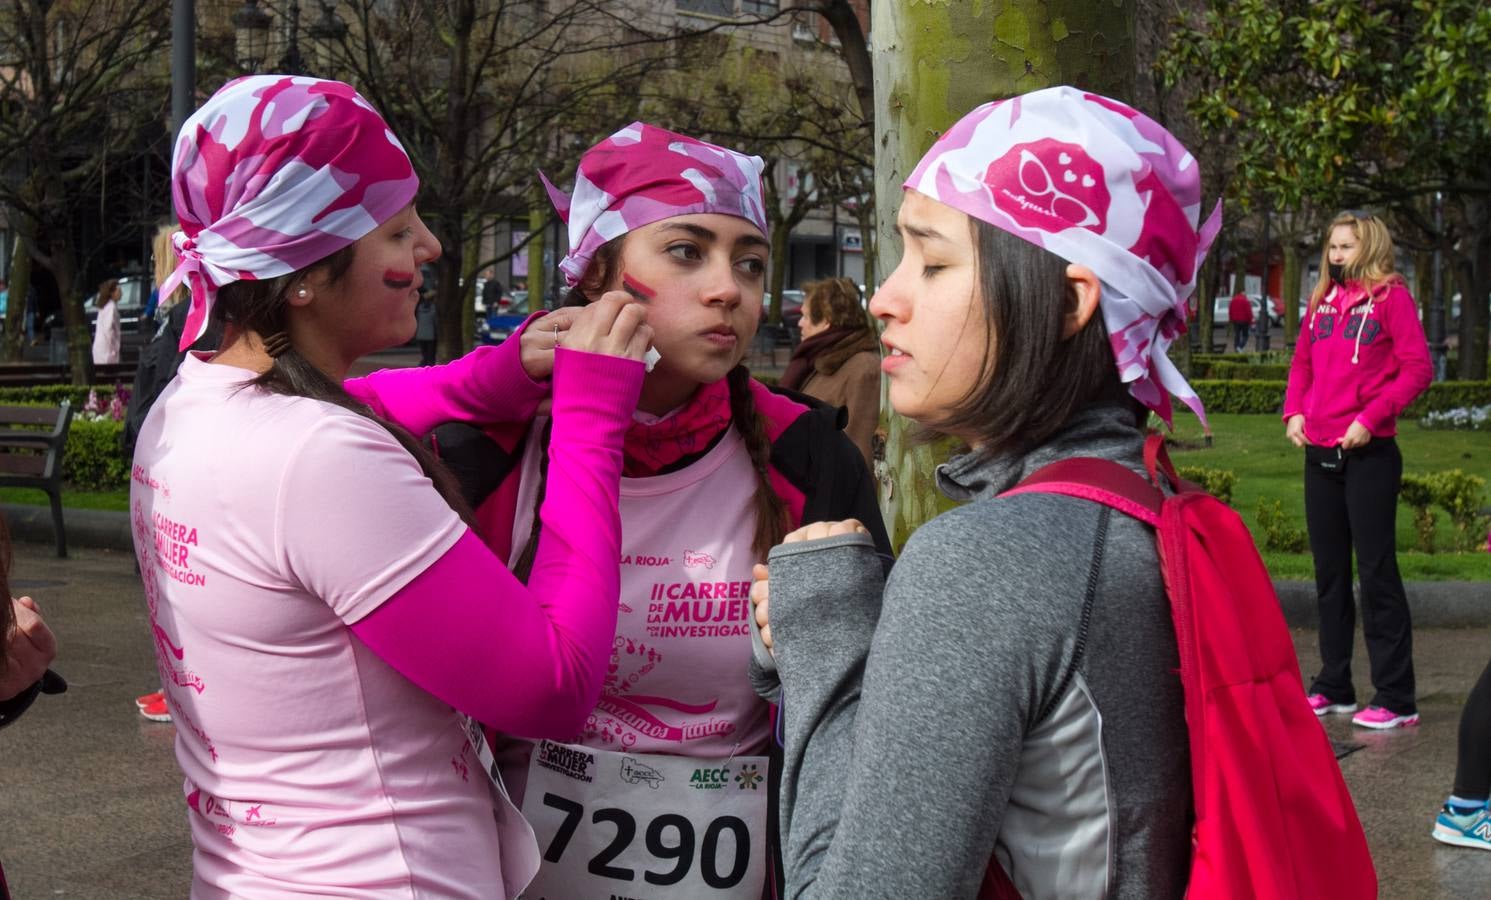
{"points": [[274, 173], [1098, 184], [644, 174]]}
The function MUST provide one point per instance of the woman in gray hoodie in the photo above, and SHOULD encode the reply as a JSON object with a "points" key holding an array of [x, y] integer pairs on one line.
{"points": [[1009, 693]]}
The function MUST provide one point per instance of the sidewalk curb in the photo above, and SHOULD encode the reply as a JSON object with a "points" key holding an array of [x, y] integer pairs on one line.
{"points": [[1435, 604], [96, 528]]}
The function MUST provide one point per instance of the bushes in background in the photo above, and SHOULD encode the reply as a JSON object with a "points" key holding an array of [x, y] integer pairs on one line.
{"points": [[1217, 482], [95, 455], [54, 394], [1279, 535], [1458, 494], [1267, 397]]}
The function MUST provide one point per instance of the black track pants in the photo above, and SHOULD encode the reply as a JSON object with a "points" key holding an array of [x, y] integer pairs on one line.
{"points": [[1354, 508]]}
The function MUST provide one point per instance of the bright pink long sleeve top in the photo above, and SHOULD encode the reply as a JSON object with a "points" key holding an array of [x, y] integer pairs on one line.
{"points": [[527, 659], [1359, 358]]}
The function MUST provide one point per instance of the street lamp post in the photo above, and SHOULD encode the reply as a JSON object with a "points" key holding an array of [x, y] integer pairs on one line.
{"points": [[183, 62]]}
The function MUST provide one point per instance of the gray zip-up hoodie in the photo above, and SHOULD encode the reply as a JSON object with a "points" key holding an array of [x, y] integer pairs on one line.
{"points": [[1011, 688]]}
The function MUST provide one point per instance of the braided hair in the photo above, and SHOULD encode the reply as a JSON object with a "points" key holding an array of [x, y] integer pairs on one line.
{"points": [[771, 512]]}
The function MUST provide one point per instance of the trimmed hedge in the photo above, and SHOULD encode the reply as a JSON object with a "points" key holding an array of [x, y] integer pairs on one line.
{"points": [[1200, 361], [1236, 371], [1267, 397], [54, 394], [95, 455]]}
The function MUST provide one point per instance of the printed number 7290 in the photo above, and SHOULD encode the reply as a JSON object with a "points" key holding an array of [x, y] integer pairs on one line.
{"points": [[682, 851]]}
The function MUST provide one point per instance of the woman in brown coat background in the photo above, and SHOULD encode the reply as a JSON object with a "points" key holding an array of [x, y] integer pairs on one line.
{"points": [[838, 360]]}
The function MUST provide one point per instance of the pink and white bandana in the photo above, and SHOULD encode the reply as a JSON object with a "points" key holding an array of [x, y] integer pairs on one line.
{"points": [[273, 173], [1100, 184], [643, 174]]}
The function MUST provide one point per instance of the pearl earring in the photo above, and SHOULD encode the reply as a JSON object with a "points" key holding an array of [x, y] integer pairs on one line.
{"points": [[300, 293]]}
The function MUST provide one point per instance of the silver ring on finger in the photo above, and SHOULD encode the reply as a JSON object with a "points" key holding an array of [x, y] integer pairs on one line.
{"points": [[556, 335]]}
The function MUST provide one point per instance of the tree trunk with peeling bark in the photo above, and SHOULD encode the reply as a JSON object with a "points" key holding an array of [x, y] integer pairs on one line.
{"points": [[933, 63]]}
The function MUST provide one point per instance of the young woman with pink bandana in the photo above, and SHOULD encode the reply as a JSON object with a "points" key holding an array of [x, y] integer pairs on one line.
{"points": [[667, 790], [320, 607], [1008, 693]]}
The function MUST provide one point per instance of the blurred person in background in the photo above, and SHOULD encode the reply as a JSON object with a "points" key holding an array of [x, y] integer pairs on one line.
{"points": [[106, 335], [838, 360]]}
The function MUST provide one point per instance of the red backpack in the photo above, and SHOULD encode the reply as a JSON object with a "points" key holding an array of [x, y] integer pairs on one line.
{"points": [[1274, 820]]}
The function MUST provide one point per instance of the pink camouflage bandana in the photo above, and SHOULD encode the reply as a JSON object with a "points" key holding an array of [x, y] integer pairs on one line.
{"points": [[1099, 184], [643, 174], [274, 173]]}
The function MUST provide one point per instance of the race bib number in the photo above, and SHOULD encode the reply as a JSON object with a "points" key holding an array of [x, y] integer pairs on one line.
{"points": [[625, 826]]}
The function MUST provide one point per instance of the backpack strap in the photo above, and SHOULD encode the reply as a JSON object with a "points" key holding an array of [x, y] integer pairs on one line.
{"points": [[1099, 480]]}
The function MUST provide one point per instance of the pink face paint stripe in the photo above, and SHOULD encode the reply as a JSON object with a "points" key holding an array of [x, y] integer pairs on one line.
{"points": [[636, 288]]}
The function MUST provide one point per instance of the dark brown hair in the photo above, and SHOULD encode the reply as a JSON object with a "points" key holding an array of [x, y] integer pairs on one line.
{"points": [[1033, 381], [105, 291], [835, 301], [771, 512], [262, 306]]}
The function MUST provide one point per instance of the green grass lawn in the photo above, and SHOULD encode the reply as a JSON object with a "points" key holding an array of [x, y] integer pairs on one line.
{"points": [[1252, 447], [1269, 467], [71, 499]]}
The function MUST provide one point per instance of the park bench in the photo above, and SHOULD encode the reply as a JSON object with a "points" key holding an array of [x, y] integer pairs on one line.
{"points": [[32, 442]]}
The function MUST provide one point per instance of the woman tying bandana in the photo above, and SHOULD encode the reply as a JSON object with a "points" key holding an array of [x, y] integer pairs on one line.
{"points": [[666, 791], [320, 609], [1010, 688]]}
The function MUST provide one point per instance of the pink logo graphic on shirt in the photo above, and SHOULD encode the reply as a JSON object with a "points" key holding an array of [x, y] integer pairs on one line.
{"points": [[1050, 186], [210, 807], [169, 656], [622, 717], [695, 558]]}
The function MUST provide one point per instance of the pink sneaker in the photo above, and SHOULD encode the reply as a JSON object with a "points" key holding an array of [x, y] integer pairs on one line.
{"points": [[1380, 717], [157, 711], [150, 699], [1322, 705]]}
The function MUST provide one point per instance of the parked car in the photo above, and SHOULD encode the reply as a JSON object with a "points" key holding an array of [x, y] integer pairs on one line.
{"points": [[791, 307], [1222, 302], [496, 325], [134, 293]]}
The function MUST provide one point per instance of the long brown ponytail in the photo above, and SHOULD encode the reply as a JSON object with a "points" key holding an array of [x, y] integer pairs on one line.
{"points": [[261, 306]]}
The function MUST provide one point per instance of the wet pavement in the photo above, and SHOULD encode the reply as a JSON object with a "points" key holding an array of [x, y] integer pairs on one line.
{"points": [[91, 804]]}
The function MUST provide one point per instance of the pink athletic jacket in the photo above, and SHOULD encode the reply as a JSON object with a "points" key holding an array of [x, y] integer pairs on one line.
{"points": [[1359, 358]]}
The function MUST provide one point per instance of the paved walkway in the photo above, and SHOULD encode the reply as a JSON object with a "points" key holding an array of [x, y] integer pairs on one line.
{"points": [[91, 804]]}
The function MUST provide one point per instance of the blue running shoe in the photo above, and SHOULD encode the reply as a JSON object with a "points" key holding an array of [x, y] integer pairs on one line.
{"points": [[1473, 830]]}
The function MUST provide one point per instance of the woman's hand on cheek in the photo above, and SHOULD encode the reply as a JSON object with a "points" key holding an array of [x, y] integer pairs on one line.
{"points": [[614, 325], [820, 530], [536, 346]]}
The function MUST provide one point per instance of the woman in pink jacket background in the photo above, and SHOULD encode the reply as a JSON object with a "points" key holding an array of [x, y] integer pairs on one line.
{"points": [[1361, 359]]}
